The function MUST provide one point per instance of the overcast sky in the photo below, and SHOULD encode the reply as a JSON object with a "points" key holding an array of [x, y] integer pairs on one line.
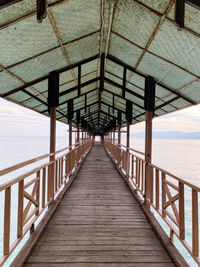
{"points": [[17, 120]]}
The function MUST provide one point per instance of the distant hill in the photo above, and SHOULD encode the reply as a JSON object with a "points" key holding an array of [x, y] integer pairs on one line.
{"points": [[170, 135]]}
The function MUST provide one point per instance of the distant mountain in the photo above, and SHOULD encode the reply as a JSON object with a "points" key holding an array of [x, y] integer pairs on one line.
{"points": [[170, 135]]}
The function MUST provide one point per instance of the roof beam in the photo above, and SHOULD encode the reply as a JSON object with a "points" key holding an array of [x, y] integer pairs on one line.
{"points": [[77, 86], [20, 88], [112, 107], [89, 105], [117, 61], [193, 3], [6, 3], [166, 103], [82, 95], [107, 91], [121, 87]]}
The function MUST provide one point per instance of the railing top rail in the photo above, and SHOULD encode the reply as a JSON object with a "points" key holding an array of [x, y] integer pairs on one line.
{"points": [[134, 150], [195, 187], [28, 162], [130, 149], [23, 176]]}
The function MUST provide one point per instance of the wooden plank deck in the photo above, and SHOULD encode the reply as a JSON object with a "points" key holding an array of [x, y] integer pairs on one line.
{"points": [[99, 223]]}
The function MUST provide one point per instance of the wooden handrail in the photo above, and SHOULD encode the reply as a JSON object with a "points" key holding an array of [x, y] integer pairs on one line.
{"points": [[131, 149], [29, 188], [28, 162], [165, 190]]}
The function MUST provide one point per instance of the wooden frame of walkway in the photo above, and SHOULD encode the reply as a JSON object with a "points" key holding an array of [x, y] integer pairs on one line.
{"points": [[98, 222]]}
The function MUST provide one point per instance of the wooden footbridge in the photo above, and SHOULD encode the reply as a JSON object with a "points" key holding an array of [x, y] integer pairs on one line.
{"points": [[98, 222], [96, 212], [99, 66]]}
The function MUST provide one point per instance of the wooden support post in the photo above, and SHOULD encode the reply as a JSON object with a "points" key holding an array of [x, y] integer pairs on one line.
{"points": [[82, 136], [41, 10], [148, 151], [113, 136], [53, 102], [52, 150], [128, 137], [179, 13], [78, 134], [149, 107], [119, 135], [70, 113], [70, 135]]}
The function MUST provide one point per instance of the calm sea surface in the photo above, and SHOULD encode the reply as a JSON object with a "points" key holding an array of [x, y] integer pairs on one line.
{"points": [[180, 157]]}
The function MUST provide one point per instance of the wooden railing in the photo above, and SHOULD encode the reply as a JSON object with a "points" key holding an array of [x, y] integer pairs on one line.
{"points": [[36, 190], [164, 192]]}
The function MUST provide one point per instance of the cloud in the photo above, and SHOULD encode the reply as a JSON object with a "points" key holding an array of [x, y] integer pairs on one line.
{"points": [[17, 120], [22, 121], [186, 120]]}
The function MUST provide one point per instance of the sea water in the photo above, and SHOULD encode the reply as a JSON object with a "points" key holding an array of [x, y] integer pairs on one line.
{"points": [[179, 157]]}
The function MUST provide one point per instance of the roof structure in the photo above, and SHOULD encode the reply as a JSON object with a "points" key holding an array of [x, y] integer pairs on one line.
{"points": [[103, 50]]}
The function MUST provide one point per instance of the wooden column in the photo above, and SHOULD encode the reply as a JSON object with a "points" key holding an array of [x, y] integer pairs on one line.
{"points": [[119, 135], [70, 109], [70, 134], [53, 101], [78, 134], [149, 107], [82, 136], [52, 150], [128, 137], [129, 110]]}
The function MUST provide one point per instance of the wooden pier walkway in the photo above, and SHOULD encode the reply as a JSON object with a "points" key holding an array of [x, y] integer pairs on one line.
{"points": [[99, 223]]}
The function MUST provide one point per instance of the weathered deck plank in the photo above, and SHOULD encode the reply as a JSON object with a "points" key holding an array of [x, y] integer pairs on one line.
{"points": [[99, 223]]}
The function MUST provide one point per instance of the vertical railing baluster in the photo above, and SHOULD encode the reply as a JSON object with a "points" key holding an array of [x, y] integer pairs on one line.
{"points": [[195, 224], [43, 186], [132, 165], [163, 195], [20, 209], [139, 173], [7, 207], [157, 191], [56, 176], [136, 175], [142, 181], [38, 193], [181, 212], [59, 184]]}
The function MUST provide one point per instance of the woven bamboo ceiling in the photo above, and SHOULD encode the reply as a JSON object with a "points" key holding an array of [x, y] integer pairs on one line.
{"points": [[138, 37]]}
